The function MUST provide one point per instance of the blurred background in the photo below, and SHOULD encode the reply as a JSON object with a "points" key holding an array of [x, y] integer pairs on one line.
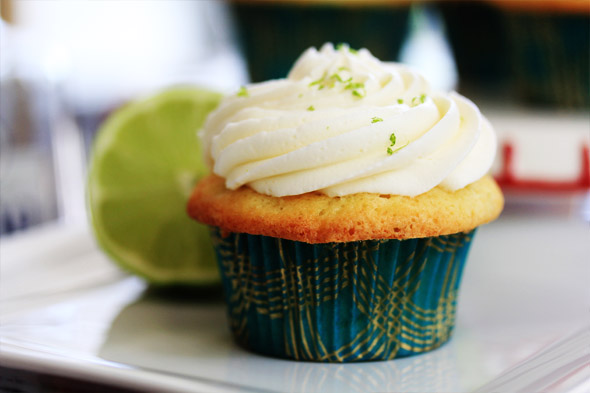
{"points": [[65, 65]]}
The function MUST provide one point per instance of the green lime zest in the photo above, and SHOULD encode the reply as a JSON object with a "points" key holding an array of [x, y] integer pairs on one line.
{"points": [[358, 89], [392, 139], [311, 108], [354, 86], [243, 92], [337, 77], [376, 119], [330, 81], [343, 46], [359, 93], [419, 99], [318, 81], [391, 152]]}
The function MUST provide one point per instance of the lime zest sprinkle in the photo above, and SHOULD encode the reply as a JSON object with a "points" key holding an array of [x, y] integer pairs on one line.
{"points": [[354, 85], [337, 77], [358, 89], [318, 81], [330, 81], [396, 150], [358, 93], [343, 68], [243, 92], [376, 119], [342, 45], [392, 139], [400, 100], [310, 108], [419, 99], [300, 95]]}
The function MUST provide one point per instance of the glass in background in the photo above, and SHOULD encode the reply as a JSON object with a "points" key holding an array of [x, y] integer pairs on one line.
{"points": [[28, 192], [68, 64], [120, 51], [427, 50]]}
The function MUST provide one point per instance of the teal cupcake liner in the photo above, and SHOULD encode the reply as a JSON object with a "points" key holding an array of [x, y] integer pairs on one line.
{"points": [[341, 302]]}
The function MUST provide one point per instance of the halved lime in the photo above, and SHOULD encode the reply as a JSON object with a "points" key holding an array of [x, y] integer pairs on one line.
{"points": [[145, 161]]}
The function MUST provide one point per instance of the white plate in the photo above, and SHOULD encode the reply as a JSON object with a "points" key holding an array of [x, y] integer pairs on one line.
{"points": [[66, 310]]}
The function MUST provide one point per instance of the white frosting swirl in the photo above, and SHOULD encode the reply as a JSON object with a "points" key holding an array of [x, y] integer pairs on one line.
{"points": [[327, 128]]}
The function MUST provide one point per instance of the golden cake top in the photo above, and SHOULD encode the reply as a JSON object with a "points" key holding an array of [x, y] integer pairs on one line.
{"points": [[318, 218]]}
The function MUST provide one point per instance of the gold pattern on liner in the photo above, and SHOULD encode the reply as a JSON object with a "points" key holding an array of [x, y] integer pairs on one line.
{"points": [[294, 291]]}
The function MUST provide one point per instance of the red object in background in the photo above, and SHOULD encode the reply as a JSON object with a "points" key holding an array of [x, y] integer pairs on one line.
{"points": [[508, 181]]}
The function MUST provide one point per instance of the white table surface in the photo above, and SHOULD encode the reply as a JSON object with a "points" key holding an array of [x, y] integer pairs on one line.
{"points": [[65, 309]]}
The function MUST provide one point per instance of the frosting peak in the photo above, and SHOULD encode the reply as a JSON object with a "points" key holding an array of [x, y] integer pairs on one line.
{"points": [[343, 122]]}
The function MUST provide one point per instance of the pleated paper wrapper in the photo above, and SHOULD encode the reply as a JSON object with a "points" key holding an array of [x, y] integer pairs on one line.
{"points": [[341, 302]]}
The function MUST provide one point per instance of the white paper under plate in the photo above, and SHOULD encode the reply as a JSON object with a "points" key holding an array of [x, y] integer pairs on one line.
{"points": [[525, 288]]}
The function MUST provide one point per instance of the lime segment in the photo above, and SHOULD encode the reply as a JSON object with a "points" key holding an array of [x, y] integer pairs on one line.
{"points": [[146, 159]]}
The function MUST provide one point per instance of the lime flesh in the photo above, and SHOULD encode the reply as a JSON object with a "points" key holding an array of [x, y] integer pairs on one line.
{"points": [[145, 161]]}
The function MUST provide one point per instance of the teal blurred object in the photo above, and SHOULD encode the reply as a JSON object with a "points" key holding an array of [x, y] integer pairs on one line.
{"points": [[550, 57], [538, 56], [478, 39], [341, 302], [273, 35]]}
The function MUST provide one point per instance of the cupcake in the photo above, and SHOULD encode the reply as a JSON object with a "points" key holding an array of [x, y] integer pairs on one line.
{"points": [[342, 204], [273, 33]]}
